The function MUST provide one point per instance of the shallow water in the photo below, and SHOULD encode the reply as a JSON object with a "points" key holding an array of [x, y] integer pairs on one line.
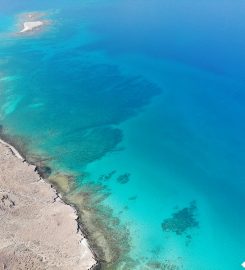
{"points": [[144, 103]]}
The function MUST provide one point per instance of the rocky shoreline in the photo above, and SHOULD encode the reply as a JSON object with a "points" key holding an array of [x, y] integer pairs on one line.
{"points": [[37, 229]]}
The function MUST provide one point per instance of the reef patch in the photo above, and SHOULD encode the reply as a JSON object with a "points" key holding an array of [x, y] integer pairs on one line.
{"points": [[182, 221]]}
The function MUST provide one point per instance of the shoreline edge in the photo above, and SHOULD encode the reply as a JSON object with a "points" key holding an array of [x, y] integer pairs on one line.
{"points": [[84, 241]]}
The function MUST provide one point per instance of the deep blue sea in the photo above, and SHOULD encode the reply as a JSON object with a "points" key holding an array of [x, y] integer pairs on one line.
{"points": [[144, 101]]}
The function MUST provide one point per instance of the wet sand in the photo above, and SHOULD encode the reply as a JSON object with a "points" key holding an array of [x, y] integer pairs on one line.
{"points": [[37, 229]]}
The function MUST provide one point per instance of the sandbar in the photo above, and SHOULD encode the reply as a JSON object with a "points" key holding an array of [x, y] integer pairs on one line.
{"points": [[30, 26]]}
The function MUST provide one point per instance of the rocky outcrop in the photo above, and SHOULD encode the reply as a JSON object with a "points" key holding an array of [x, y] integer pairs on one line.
{"points": [[37, 229]]}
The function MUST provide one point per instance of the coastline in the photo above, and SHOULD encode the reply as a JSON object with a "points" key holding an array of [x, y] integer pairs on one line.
{"points": [[88, 256], [107, 238]]}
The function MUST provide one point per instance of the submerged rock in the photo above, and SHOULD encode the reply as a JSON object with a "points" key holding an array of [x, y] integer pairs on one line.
{"points": [[106, 177], [62, 181], [182, 220], [166, 265], [44, 171], [124, 178]]}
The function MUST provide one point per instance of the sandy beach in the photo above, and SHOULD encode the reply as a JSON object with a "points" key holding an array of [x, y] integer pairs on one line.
{"points": [[37, 229]]}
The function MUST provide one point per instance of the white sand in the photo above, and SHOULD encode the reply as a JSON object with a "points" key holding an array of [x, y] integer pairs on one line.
{"points": [[30, 26]]}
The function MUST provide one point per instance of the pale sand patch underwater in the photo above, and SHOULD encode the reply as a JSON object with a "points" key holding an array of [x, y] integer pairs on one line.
{"points": [[37, 229]]}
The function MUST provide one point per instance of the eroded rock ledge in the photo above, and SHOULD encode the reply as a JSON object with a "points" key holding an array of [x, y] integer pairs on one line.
{"points": [[37, 229]]}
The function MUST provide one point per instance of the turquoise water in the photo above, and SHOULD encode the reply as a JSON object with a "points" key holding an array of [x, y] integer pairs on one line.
{"points": [[151, 93]]}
